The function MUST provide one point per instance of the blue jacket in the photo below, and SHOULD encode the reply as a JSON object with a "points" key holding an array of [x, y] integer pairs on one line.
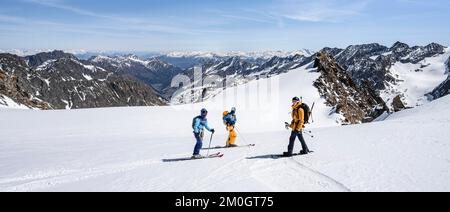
{"points": [[200, 124]]}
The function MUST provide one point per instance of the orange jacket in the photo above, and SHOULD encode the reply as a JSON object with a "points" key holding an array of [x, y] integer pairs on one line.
{"points": [[298, 117]]}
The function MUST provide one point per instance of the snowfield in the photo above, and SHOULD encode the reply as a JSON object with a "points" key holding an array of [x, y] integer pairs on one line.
{"points": [[415, 81], [121, 149]]}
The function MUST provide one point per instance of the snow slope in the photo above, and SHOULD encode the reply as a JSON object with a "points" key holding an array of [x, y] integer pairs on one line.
{"points": [[121, 149], [266, 103], [414, 81], [6, 102]]}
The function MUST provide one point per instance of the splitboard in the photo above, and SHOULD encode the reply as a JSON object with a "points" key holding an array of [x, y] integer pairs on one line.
{"points": [[216, 155], [285, 156], [224, 147]]}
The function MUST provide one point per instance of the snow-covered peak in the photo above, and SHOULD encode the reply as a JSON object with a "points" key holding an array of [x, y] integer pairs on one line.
{"points": [[101, 58], [47, 64], [131, 60], [136, 59], [23, 53], [242, 54], [399, 47]]}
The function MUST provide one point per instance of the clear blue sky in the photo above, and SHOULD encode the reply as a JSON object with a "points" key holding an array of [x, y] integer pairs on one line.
{"points": [[219, 25]]}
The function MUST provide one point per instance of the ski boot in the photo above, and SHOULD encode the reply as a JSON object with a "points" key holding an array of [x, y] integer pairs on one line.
{"points": [[287, 154], [303, 152], [196, 157]]}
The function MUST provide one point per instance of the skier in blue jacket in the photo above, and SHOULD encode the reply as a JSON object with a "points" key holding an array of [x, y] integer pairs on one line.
{"points": [[199, 124]]}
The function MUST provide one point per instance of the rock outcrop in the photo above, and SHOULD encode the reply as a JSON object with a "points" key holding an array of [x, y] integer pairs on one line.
{"points": [[358, 104]]}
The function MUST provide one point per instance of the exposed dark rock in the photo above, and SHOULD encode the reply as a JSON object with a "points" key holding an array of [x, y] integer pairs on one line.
{"points": [[68, 83], [357, 104], [12, 71], [420, 53], [444, 88], [397, 104], [38, 59]]}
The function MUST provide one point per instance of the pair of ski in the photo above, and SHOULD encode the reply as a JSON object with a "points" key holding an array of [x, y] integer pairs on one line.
{"points": [[215, 155], [229, 147]]}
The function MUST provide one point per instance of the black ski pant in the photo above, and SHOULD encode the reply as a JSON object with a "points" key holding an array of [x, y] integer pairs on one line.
{"points": [[299, 135]]}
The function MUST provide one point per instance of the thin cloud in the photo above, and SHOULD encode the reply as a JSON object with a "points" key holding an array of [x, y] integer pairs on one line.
{"points": [[246, 18], [242, 15], [60, 5], [11, 19], [320, 10], [129, 23], [29, 26]]}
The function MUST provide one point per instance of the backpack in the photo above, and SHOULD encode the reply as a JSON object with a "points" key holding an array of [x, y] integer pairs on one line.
{"points": [[307, 112], [225, 114], [226, 118]]}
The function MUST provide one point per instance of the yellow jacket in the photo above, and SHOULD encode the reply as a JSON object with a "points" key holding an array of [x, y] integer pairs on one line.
{"points": [[298, 117]]}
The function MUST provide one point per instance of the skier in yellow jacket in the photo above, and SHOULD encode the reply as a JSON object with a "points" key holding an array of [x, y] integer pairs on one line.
{"points": [[297, 126], [229, 119]]}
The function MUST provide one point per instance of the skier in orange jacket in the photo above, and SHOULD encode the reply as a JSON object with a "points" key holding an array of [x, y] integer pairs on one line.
{"points": [[297, 126]]}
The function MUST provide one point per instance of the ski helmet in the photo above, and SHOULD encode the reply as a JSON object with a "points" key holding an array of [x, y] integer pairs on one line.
{"points": [[233, 110], [296, 99], [204, 112]]}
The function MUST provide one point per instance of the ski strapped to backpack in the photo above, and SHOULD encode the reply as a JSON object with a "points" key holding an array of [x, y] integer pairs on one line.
{"points": [[310, 113]]}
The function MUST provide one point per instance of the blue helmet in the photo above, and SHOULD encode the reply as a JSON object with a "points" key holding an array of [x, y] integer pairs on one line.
{"points": [[233, 110], [204, 112]]}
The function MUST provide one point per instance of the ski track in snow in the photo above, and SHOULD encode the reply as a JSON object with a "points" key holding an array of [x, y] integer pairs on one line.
{"points": [[323, 176], [46, 179], [300, 178], [49, 179], [306, 179], [218, 173]]}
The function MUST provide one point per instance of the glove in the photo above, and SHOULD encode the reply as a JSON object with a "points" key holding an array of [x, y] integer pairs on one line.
{"points": [[213, 131]]}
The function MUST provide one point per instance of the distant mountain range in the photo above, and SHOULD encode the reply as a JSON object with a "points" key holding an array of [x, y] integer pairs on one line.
{"points": [[58, 80], [400, 76]]}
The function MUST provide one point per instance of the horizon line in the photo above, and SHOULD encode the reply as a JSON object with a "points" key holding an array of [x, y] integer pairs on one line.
{"points": [[85, 51]]}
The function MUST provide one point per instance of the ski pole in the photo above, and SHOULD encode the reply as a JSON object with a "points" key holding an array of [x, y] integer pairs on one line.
{"points": [[210, 141], [243, 139], [309, 133]]}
